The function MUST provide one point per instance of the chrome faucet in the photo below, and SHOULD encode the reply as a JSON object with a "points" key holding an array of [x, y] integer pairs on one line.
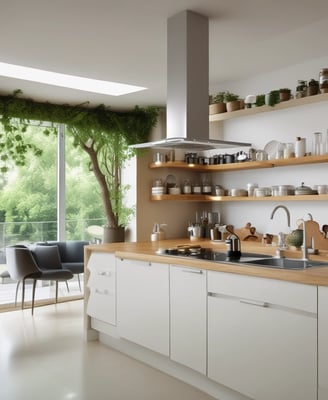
{"points": [[281, 237], [305, 250]]}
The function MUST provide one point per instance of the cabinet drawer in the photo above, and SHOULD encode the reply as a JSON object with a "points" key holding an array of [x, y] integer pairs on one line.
{"points": [[102, 305], [282, 293], [101, 262], [102, 279], [102, 269]]}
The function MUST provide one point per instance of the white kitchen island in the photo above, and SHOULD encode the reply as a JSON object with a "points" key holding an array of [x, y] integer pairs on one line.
{"points": [[234, 332]]}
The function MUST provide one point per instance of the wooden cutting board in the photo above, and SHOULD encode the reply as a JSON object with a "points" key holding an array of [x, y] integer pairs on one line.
{"points": [[248, 233], [315, 238]]}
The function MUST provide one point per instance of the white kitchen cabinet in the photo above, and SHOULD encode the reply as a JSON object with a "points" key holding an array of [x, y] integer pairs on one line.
{"points": [[262, 336], [143, 303], [323, 342], [102, 285], [188, 310]]}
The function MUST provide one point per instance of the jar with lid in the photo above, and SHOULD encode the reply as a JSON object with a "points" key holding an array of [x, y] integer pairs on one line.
{"points": [[300, 146], [323, 80], [197, 189], [186, 188], [206, 187]]}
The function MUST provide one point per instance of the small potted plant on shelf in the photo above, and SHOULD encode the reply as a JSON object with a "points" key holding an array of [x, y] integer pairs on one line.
{"points": [[232, 101], [260, 100], [217, 104], [284, 94], [272, 98], [301, 89], [313, 87]]}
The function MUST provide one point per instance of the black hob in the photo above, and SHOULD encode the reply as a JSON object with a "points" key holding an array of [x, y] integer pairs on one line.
{"points": [[196, 252]]}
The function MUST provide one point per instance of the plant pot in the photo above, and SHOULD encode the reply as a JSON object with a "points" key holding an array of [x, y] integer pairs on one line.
{"points": [[312, 90], [217, 108], [114, 235], [284, 96], [233, 105]]}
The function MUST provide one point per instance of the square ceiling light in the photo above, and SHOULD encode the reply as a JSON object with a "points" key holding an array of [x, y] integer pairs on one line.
{"points": [[67, 81]]}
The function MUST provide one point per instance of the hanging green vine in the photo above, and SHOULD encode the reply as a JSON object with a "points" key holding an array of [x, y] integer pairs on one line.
{"points": [[17, 112], [105, 135]]}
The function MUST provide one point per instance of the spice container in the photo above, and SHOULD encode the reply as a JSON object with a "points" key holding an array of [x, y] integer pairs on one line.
{"points": [[300, 147]]}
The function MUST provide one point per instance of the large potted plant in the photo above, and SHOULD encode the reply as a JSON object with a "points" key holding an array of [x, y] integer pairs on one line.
{"points": [[107, 144], [108, 155]]}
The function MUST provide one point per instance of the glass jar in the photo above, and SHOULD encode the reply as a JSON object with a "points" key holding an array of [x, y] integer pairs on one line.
{"points": [[323, 80], [186, 188], [317, 144]]}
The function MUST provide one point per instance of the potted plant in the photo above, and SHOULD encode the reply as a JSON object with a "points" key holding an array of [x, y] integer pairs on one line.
{"points": [[272, 98], [260, 100], [284, 94], [217, 104], [313, 87], [232, 101], [109, 152], [301, 89]]}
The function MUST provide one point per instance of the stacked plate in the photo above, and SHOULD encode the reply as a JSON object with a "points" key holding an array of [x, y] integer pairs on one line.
{"points": [[156, 190]]}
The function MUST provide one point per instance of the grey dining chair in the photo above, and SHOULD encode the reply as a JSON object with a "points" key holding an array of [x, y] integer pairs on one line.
{"points": [[22, 266]]}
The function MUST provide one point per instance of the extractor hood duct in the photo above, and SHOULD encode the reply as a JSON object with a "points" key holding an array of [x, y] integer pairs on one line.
{"points": [[187, 85]]}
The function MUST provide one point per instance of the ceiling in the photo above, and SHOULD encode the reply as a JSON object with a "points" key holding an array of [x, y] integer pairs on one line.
{"points": [[125, 41]]}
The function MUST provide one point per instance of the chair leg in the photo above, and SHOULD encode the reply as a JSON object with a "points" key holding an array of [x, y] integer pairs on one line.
{"points": [[78, 278], [16, 294], [67, 286], [33, 295], [56, 291], [23, 293]]}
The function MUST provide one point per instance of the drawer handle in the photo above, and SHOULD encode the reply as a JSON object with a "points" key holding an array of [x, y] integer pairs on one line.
{"points": [[255, 303], [190, 271], [104, 273], [103, 292]]}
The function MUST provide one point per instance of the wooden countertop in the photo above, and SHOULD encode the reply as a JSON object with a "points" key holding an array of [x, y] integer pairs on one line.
{"points": [[146, 251]]}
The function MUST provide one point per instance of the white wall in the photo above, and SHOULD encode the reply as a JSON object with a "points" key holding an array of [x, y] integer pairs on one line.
{"points": [[259, 129]]}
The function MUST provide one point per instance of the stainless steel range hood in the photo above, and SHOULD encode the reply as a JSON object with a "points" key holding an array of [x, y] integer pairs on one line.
{"points": [[187, 86]]}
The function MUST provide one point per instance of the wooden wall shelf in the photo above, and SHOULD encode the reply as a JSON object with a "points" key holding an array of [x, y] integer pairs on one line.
{"points": [[280, 106], [208, 198], [242, 165]]}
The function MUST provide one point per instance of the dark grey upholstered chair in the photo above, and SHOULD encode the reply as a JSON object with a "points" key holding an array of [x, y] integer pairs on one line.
{"points": [[22, 265], [71, 254]]}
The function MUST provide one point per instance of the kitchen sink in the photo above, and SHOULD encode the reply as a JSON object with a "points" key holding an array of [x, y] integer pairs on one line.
{"points": [[285, 263]]}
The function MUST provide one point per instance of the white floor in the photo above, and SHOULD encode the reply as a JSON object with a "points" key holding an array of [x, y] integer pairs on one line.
{"points": [[45, 357]]}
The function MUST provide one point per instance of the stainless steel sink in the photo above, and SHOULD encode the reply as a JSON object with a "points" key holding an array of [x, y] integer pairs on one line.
{"points": [[218, 256], [285, 263]]}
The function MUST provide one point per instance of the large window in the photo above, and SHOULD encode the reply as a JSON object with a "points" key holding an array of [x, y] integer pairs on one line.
{"points": [[30, 198]]}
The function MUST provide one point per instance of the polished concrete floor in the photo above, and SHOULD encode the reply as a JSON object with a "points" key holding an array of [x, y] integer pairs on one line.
{"points": [[45, 357]]}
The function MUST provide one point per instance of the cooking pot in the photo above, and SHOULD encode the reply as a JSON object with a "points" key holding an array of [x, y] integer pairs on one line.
{"points": [[300, 190]]}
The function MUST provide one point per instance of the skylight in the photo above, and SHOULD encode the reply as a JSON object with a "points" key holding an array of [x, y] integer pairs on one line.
{"points": [[67, 81]]}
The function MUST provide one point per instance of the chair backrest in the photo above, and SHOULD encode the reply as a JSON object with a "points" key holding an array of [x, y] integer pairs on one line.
{"points": [[20, 262], [71, 250], [46, 257]]}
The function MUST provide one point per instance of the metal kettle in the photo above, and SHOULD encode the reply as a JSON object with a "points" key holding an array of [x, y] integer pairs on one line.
{"points": [[233, 244]]}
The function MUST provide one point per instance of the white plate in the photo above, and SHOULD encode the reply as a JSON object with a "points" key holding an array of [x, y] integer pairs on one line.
{"points": [[271, 148]]}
